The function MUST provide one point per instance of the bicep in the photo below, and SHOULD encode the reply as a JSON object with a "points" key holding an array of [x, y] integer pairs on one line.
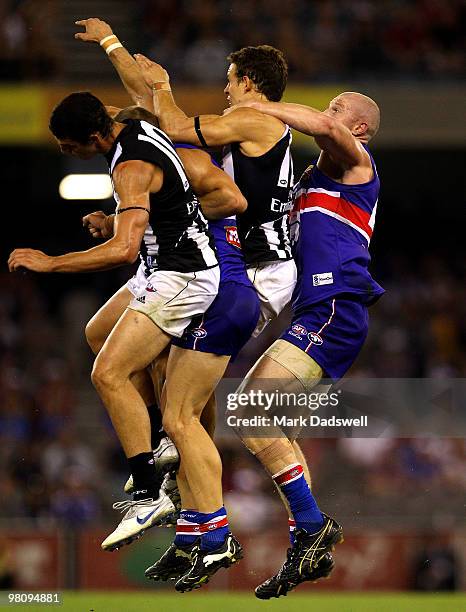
{"points": [[238, 126], [135, 180]]}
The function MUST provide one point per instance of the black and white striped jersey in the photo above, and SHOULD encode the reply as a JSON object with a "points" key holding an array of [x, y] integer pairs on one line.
{"points": [[266, 182], [177, 236]]}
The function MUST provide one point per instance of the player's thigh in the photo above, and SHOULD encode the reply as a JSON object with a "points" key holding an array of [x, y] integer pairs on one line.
{"points": [[105, 319], [192, 376], [133, 344]]}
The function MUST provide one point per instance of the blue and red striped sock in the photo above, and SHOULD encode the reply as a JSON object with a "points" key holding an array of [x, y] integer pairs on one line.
{"points": [[214, 528], [302, 504], [187, 528]]}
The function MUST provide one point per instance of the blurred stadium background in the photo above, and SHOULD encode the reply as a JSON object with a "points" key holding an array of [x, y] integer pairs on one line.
{"points": [[402, 502]]}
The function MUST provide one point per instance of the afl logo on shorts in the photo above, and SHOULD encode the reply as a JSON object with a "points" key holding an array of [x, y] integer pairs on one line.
{"points": [[198, 332], [150, 288], [315, 338], [299, 329]]}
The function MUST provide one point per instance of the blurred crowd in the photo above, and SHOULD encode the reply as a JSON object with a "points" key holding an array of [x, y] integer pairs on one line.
{"points": [[324, 40], [29, 48], [61, 461]]}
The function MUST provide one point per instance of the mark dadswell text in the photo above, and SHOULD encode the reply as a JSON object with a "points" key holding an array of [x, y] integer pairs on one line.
{"points": [[301, 421]]}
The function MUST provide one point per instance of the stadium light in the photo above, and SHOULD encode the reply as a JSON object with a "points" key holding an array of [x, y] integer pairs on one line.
{"points": [[86, 187]]}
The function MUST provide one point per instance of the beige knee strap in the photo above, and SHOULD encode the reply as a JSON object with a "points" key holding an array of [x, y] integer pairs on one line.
{"points": [[296, 361], [274, 451]]}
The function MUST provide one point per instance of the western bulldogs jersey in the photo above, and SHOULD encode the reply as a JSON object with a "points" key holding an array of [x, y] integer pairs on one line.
{"points": [[266, 182], [331, 227], [176, 237]]}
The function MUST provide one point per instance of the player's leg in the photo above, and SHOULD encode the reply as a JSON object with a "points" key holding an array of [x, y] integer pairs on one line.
{"points": [[101, 324], [209, 415], [131, 346], [331, 335], [315, 532], [191, 379], [207, 418], [97, 331], [187, 395], [219, 334]]}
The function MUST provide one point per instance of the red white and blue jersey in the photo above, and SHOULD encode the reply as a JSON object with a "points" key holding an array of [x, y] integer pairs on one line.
{"points": [[331, 228]]}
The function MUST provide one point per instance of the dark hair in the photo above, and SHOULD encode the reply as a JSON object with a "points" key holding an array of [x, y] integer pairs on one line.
{"points": [[265, 66], [78, 116], [138, 114]]}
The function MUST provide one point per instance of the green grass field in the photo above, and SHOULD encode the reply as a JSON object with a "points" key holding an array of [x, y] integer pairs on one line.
{"points": [[233, 602]]}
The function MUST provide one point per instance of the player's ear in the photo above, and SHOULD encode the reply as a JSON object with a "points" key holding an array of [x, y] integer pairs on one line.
{"points": [[360, 129], [248, 84], [96, 139]]}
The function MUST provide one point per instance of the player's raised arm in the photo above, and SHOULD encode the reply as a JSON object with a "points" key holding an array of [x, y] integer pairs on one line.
{"points": [[133, 180], [219, 195], [331, 135], [100, 32]]}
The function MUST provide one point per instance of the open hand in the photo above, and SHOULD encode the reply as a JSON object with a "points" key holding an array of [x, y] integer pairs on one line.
{"points": [[37, 261], [96, 29]]}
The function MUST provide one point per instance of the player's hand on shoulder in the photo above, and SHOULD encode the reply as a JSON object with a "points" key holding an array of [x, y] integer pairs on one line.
{"points": [[151, 71], [31, 259], [96, 30]]}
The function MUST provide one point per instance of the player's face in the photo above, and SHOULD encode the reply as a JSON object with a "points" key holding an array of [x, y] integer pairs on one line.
{"points": [[233, 90], [77, 149], [340, 109]]}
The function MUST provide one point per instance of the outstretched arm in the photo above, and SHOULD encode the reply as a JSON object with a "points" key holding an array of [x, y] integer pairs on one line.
{"points": [[133, 180], [100, 32], [331, 135]]}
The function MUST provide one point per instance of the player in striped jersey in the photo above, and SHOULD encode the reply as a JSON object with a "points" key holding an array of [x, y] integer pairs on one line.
{"points": [[148, 180], [222, 330], [256, 154], [333, 220]]}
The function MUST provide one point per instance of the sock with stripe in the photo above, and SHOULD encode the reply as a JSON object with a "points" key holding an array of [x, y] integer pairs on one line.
{"points": [[214, 528], [292, 526], [302, 504], [187, 528]]}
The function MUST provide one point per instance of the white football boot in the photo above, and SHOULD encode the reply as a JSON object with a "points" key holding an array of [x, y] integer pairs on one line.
{"points": [[139, 516]]}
